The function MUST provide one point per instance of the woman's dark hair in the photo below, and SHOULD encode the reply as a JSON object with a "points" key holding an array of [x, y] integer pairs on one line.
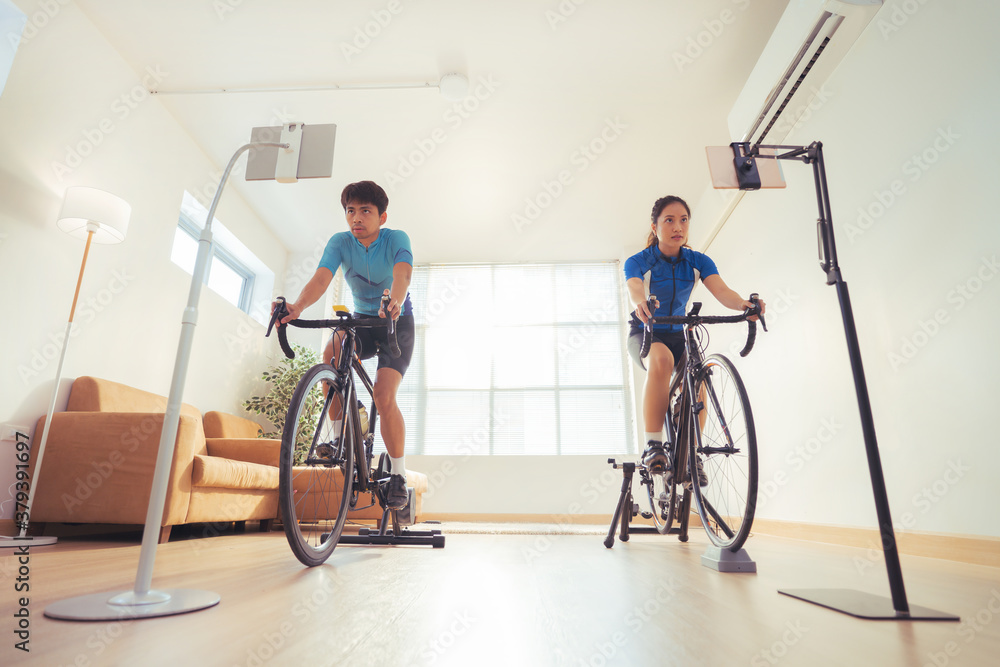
{"points": [[658, 207], [365, 192]]}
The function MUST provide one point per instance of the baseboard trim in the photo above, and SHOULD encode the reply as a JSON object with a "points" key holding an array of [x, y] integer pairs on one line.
{"points": [[976, 550]]}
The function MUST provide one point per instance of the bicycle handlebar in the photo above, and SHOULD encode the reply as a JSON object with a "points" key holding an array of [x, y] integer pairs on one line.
{"points": [[693, 319], [344, 321]]}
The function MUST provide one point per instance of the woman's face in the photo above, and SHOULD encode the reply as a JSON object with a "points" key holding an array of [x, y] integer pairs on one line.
{"points": [[671, 228]]}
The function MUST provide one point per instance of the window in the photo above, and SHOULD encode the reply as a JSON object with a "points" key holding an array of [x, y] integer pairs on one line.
{"points": [[234, 272], [517, 359]]}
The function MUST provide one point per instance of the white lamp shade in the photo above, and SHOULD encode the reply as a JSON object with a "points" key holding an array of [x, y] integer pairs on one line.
{"points": [[454, 87], [86, 209]]}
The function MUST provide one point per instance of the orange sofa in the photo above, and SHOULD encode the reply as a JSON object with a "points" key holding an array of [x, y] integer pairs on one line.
{"points": [[101, 454]]}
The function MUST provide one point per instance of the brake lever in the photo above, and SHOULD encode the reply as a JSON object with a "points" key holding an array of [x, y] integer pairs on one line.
{"points": [[280, 310], [755, 300]]}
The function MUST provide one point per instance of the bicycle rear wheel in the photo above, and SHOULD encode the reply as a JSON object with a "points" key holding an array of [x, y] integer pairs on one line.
{"points": [[728, 446], [661, 494], [316, 468]]}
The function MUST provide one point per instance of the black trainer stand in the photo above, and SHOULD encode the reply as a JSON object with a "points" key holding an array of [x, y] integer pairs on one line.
{"points": [[627, 510], [385, 535], [855, 603]]}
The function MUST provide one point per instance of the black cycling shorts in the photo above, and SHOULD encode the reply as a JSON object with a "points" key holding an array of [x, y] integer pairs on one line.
{"points": [[674, 340], [370, 341]]}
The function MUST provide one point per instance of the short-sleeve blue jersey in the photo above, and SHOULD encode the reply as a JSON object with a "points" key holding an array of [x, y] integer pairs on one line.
{"points": [[671, 280], [368, 271]]}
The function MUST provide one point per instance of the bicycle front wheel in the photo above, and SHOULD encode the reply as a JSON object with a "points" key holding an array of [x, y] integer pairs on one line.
{"points": [[727, 446], [316, 468]]}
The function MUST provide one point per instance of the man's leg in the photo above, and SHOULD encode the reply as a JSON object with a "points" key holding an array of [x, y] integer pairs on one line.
{"points": [[387, 382], [393, 429], [332, 350]]}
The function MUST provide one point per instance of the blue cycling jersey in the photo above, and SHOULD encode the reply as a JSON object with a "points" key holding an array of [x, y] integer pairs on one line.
{"points": [[368, 271], [671, 280]]}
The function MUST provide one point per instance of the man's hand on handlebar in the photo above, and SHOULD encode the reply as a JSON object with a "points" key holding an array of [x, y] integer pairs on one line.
{"points": [[389, 305], [293, 311]]}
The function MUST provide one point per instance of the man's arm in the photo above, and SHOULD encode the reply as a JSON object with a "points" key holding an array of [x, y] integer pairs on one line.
{"points": [[402, 272], [310, 294]]}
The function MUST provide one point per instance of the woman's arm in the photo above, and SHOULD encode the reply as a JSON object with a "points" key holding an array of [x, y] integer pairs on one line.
{"points": [[726, 296], [637, 295]]}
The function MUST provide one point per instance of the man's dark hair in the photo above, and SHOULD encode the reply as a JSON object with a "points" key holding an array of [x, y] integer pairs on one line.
{"points": [[365, 192]]}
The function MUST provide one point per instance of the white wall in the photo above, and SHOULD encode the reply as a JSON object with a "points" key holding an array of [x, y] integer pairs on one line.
{"points": [[67, 80], [921, 83]]}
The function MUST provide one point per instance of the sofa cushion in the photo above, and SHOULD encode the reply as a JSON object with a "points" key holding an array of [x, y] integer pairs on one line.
{"points": [[90, 394], [213, 471], [224, 425], [264, 451]]}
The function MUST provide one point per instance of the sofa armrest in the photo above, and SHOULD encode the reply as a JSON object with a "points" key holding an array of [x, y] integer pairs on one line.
{"points": [[225, 425], [264, 451], [98, 467]]}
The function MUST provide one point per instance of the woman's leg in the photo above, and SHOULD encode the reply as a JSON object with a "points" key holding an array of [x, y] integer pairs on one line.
{"points": [[656, 396]]}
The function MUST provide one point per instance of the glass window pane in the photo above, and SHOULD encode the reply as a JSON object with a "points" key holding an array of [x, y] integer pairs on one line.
{"points": [[525, 422], [524, 357], [523, 295], [587, 293], [456, 359], [458, 422], [590, 354], [225, 281], [592, 421], [185, 250]]}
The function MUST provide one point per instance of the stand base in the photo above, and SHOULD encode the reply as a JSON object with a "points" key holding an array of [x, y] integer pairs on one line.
{"points": [[97, 606], [865, 605], [432, 538], [8, 542], [724, 560]]}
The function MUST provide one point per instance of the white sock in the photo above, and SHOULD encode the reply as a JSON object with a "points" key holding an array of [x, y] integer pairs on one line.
{"points": [[657, 436], [396, 466]]}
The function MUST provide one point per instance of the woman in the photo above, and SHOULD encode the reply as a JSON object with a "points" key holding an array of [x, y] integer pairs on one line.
{"points": [[674, 269]]}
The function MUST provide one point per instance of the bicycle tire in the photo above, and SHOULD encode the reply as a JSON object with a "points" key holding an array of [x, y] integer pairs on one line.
{"points": [[728, 445], [660, 505], [314, 495]]}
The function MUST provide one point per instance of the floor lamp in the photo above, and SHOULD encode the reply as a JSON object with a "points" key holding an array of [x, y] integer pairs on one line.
{"points": [[856, 603], [98, 217], [314, 161]]}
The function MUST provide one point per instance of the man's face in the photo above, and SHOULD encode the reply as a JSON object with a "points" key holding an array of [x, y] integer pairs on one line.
{"points": [[364, 220]]}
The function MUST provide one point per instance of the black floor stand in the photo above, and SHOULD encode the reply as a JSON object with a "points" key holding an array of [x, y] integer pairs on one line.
{"points": [[626, 509], [385, 536], [855, 603]]}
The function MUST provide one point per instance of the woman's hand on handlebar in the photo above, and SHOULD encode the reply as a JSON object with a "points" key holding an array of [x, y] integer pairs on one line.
{"points": [[645, 309], [388, 305], [752, 305]]}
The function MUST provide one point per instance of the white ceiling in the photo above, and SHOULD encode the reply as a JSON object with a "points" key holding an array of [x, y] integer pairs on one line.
{"points": [[557, 85]]}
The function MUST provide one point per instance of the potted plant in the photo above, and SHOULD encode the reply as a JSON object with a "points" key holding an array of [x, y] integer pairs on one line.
{"points": [[283, 379]]}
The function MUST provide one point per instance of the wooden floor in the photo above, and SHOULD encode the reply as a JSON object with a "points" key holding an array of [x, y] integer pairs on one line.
{"points": [[498, 600]]}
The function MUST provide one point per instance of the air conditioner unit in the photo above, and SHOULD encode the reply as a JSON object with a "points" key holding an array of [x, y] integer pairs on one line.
{"points": [[810, 40]]}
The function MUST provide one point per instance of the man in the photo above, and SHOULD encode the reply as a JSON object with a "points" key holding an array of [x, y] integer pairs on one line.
{"points": [[376, 260]]}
